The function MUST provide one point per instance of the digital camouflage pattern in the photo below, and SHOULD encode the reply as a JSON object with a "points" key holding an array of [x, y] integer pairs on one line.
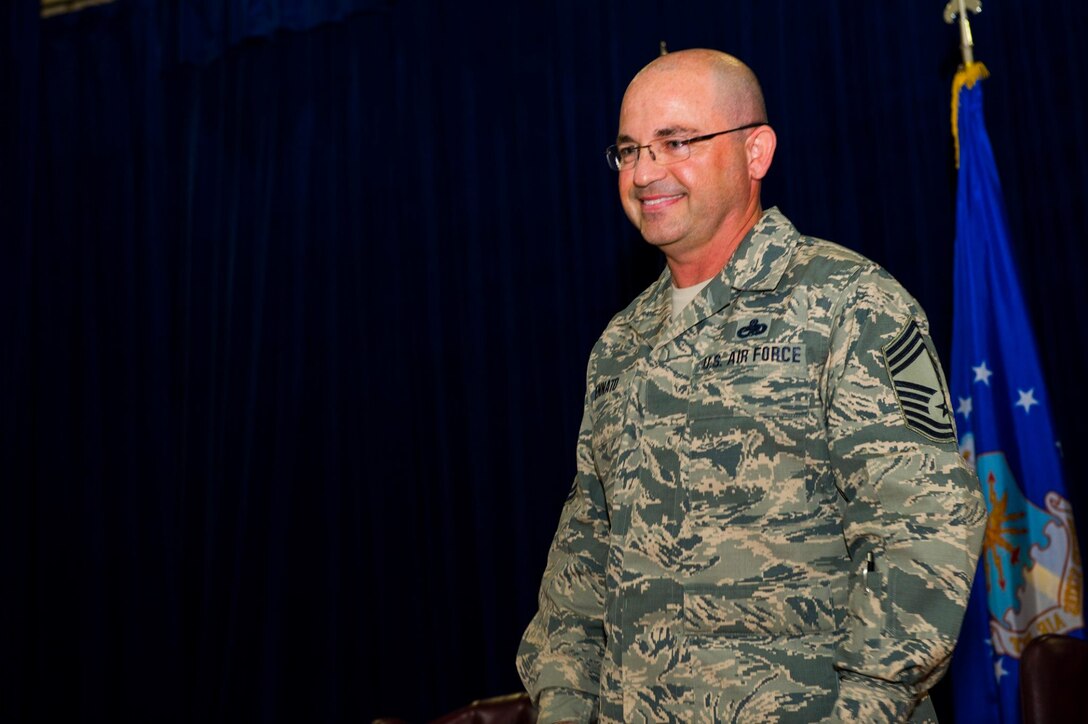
{"points": [[755, 532]]}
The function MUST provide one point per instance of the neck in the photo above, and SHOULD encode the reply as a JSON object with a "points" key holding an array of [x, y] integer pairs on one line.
{"points": [[703, 263]]}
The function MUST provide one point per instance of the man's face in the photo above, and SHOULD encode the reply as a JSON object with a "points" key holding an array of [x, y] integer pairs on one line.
{"points": [[683, 206]]}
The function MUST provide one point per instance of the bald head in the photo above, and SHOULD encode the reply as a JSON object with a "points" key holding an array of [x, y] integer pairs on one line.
{"points": [[696, 197], [735, 90]]}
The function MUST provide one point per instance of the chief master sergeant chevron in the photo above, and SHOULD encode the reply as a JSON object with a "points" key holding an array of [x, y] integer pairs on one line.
{"points": [[770, 520]]}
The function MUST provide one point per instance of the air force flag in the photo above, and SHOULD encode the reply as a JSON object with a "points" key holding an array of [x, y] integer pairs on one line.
{"points": [[1031, 580]]}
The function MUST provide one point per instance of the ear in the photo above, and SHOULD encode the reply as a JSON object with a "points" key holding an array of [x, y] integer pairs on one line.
{"points": [[760, 148]]}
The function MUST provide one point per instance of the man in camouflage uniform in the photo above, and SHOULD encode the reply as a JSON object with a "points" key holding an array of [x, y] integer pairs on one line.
{"points": [[770, 519]]}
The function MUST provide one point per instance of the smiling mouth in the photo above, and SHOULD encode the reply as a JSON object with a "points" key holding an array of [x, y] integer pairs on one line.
{"points": [[657, 201]]}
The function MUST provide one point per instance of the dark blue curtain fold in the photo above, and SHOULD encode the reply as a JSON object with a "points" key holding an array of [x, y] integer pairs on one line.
{"points": [[198, 31], [298, 296], [19, 69]]}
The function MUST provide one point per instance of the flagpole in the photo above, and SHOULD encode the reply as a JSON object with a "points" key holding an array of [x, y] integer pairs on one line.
{"points": [[970, 72], [957, 10]]}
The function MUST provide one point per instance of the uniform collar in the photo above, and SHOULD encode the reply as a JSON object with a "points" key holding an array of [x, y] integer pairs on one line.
{"points": [[758, 264], [764, 255]]}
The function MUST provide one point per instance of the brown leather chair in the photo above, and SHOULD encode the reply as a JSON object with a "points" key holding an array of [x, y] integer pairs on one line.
{"points": [[1053, 680], [509, 709]]}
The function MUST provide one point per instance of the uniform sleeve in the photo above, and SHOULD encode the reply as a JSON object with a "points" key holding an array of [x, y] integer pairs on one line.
{"points": [[913, 511], [559, 659]]}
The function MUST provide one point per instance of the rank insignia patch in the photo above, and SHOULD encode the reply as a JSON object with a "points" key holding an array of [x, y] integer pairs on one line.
{"points": [[922, 398]]}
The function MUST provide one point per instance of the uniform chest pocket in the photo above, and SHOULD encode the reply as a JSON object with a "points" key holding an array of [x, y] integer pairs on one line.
{"points": [[609, 398], [750, 427], [751, 380]]}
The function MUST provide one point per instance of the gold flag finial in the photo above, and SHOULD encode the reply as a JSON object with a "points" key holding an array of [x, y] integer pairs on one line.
{"points": [[664, 50], [957, 10]]}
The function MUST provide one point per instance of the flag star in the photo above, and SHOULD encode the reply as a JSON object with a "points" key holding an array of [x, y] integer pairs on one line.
{"points": [[982, 374], [1027, 399], [999, 671], [965, 408]]}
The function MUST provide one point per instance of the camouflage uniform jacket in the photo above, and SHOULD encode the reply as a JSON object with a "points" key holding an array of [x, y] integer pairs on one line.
{"points": [[770, 519]]}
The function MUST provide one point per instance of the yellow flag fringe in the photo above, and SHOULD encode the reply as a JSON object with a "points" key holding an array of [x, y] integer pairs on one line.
{"points": [[966, 76]]}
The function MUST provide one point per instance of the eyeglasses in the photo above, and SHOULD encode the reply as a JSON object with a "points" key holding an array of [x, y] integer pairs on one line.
{"points": [[663, 152]]}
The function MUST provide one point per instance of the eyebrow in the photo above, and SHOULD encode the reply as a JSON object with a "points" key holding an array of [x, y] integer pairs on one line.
{"points": [[673, 131], [665, 132]]}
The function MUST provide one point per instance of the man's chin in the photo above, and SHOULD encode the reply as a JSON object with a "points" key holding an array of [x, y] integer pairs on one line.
{"points": [[659, 237]]}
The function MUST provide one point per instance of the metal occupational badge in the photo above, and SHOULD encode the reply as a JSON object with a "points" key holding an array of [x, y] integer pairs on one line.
{"points": [[922, 397]]}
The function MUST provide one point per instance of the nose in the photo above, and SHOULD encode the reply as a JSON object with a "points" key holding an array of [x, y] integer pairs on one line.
{"points": [[646, 169]]}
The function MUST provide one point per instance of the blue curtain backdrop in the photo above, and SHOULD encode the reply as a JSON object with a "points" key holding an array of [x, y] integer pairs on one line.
{"points": [[297, 298]]}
